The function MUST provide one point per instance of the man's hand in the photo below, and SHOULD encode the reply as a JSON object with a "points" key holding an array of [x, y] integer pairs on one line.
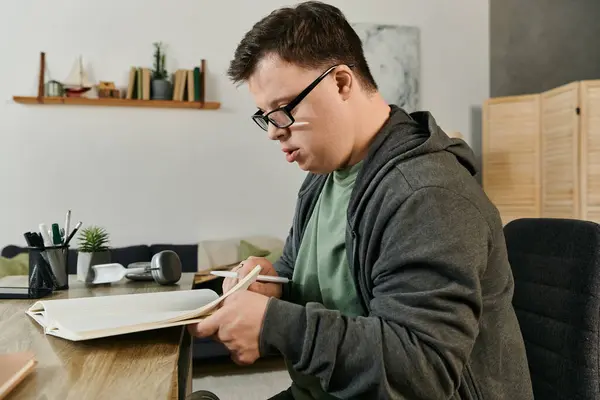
{"points": [[237, 324], [268, 289]]}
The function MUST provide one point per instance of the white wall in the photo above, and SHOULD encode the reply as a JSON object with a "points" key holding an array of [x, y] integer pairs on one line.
{"points": [[167, 175]]}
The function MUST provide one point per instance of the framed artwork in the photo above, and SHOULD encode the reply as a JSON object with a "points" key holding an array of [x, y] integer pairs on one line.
{"points": [[393, 55]]}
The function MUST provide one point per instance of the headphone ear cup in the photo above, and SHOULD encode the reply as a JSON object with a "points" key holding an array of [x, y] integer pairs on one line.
{"points": [[168, 267], [156, 275]]}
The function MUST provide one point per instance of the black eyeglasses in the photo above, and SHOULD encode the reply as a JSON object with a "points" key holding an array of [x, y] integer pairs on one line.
{"points": [[282, 117]]}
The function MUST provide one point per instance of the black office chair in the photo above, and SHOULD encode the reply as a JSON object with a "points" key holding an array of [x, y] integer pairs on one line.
{"points": [[556, 265], [202, 395]]}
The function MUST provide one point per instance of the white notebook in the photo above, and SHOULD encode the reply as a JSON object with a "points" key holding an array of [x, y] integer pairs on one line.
{"points": [[94, 317]]}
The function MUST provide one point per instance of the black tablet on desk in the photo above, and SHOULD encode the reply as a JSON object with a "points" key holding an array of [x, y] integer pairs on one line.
{"points": [[23, 293]]}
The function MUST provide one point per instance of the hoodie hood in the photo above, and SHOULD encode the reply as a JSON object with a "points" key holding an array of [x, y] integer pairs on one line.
{"points": [[407, 136], [440, 141], [404, 136]]}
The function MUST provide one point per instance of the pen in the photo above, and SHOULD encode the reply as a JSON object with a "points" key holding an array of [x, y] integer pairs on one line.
{"points": [[28, 240], [45, 235], [260, 278], [67, 225], [35, 239], [39, 240], [73, 232]]}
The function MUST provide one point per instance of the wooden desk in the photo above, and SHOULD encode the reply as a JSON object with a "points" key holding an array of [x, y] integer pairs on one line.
{"points": [[144, 365]]}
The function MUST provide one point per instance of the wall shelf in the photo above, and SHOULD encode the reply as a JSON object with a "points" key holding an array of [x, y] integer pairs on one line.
{"points": [[110, 102]]}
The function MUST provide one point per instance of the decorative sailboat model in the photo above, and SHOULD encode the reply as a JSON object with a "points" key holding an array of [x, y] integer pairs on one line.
{"points": [[77, 83]]}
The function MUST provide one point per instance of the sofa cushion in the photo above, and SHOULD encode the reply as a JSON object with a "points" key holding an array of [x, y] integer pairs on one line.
{"points": [[247, 249], [212, 253], [130, 254], [217, 253], [17, 265]]}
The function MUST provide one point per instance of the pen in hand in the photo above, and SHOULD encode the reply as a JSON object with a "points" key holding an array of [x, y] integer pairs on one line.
{"points": [[259, 278]]}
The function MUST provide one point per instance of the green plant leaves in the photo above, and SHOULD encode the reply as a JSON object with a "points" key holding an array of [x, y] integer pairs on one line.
{"points": [[159, 71], [93, 239]]}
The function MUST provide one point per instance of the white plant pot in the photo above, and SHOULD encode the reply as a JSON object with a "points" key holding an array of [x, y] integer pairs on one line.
{"points": [[85, 261]]}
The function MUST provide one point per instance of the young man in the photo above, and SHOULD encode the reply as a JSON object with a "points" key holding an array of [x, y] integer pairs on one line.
{"points": [[400, 284]]}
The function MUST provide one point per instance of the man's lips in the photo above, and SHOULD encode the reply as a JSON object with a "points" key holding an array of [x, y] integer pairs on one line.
{"points": [[290, 154]]}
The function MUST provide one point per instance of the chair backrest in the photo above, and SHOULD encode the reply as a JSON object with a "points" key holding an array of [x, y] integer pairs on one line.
{"points": [[556, 265]]}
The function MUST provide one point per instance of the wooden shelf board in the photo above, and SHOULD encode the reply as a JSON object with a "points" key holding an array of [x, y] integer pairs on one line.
{"points": [[82, 101]]}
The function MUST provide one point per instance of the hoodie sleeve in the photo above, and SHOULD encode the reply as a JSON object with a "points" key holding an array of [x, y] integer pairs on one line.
{"points": [[424, 311], [284, 266]]}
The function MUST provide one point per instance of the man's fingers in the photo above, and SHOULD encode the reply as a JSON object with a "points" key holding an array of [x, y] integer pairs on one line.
{"points": [[255, 287], [241, 357], [243, 269], [248, 266], [207, 327], [260, 287], [228, 283]]}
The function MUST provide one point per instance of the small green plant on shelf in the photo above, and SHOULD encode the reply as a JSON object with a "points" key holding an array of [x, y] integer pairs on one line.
{"points": [[161, 87], [93, 239], [160, 71]]}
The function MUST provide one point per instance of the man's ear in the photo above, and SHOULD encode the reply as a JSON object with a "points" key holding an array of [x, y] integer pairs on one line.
{"points": [[345, 81]]}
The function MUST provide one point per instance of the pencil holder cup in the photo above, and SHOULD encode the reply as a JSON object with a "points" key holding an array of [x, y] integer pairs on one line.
{"points": [[49, 266], [40, 280]]}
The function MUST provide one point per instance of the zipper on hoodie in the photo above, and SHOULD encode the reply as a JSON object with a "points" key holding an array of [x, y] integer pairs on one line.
{"points": [[296, 230], [360, 287], [471, 384]]}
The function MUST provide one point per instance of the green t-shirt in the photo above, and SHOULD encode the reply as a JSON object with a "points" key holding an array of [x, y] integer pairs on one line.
{"points": [[321, 271]]}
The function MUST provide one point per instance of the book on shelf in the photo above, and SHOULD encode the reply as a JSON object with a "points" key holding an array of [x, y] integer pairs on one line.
{"points": [[87, 318], [197, 78], [131, 87], [190, 85], [187, 84], [138, 87]]}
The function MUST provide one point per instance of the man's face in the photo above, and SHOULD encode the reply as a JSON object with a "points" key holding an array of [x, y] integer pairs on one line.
{"points": [[321, 139]]}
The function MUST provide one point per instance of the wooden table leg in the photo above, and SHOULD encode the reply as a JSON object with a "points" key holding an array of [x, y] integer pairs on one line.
{"points": [[184, 366]]}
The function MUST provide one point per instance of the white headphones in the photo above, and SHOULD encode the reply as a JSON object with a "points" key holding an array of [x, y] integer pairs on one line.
{"points": [[165, 268]]}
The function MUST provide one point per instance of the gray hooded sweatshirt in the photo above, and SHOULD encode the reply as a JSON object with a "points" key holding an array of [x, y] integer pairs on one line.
{"points": [[426, 249]]}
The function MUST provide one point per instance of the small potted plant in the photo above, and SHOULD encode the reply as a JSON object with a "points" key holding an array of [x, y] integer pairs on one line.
{"points": [[161, 87], [92, 250]]}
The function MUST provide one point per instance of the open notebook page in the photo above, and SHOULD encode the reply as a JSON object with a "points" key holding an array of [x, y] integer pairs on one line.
{"points": [[109, 312], [138, 303], [93, 316]]}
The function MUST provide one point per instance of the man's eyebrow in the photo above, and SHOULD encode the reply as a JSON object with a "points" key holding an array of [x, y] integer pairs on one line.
{"points": [[281, 99]]}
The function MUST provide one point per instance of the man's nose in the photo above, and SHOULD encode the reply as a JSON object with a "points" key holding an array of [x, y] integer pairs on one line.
{"points": [[276, 133]]}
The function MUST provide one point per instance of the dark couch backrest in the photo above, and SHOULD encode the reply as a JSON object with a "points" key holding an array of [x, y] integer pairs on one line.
{"points": [[556, 265], [188, 253]]}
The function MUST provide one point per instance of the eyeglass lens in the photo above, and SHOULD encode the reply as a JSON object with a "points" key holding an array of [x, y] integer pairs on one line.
{"points": [[278, 118]]}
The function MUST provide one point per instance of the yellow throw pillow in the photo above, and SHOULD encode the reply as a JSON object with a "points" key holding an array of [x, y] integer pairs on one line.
{"points": [[18, 265], [247, 249]]}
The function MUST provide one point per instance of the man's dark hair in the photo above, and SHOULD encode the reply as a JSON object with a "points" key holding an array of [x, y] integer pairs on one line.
{"points": [[311, 35]]}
